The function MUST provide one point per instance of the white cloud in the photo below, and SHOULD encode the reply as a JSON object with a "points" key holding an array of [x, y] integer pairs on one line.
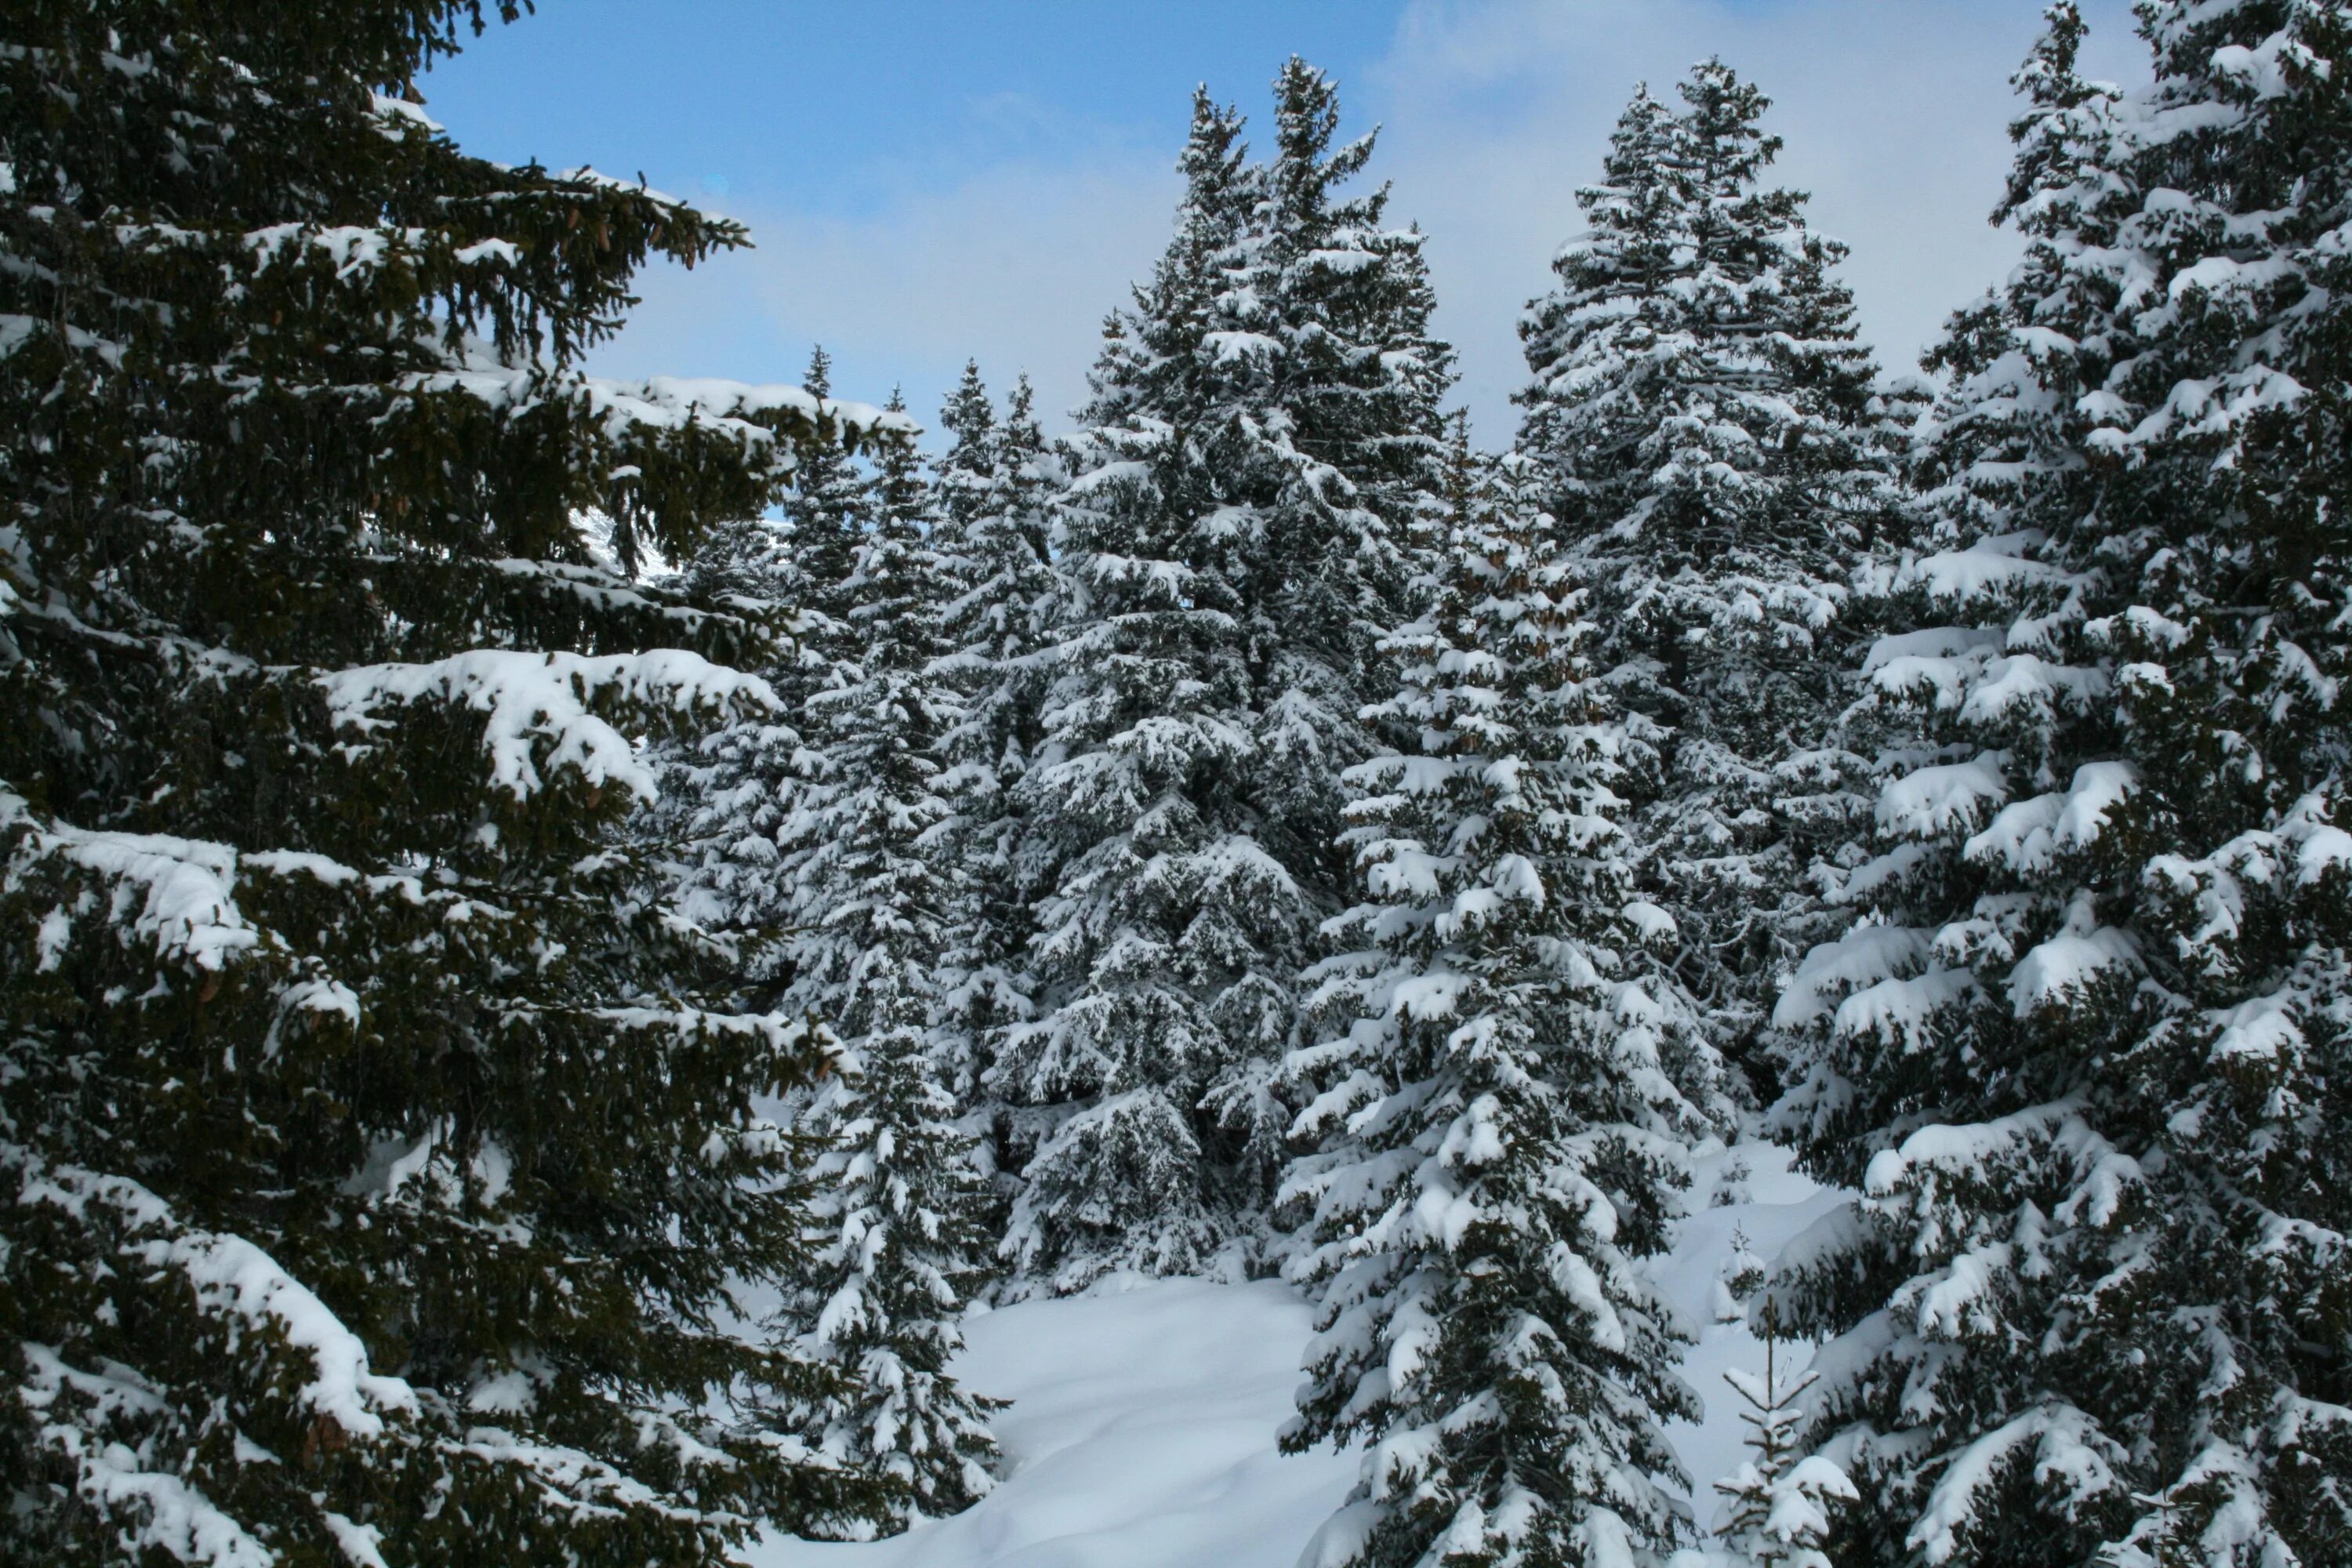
{"points": [[1495, 111], [1895, 117], [1015, 267]]}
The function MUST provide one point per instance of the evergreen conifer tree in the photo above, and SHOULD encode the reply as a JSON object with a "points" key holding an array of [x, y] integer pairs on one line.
{"points": [[1235, 534], [376, 1146], [826, 516], [1352, 446], [731, 792], [1715, 455], [1158, 904], [859, 865], [2086, 1053], [872, 890], [995, 504], [1502, 1128], [904, 1252], [1779, 1498], [963, 488], [824, 519]]}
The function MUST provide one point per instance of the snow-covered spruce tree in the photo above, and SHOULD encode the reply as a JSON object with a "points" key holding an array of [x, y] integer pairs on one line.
{"points": [[2086, 1053], [905, 1248], [993, 502], [800, 556], [1502, 1129], [795, 560], [1332, 466], [375, 1152], [826, 514], [871, 890], [1339, 400], [1232, 538], [1322, 441], [1717, 460], [730, 791], [1163, 927]]}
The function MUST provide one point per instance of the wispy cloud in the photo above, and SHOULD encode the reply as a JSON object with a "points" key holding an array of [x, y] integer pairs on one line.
{"points": [[1015, 267], [1895, 117], [1494, 112]]}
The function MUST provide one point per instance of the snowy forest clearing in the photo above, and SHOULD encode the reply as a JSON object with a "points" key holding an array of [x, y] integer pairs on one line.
{"points": [[1142, 1432]]}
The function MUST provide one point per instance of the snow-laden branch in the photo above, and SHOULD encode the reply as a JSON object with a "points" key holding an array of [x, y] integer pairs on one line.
{"points": [[539, 706]]}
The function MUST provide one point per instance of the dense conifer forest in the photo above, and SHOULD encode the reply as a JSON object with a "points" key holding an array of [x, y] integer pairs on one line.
{"points": [[560, 936]]}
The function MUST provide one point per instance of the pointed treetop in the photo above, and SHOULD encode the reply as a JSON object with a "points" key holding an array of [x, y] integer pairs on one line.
{"points": [[1638, 198], [898, 476], [1647, 121], [1724, 117], [1020, 409], [2048, 132], [1213, 149], [1212, 213], [2048, 75], [1306, 118], [969, 416]]}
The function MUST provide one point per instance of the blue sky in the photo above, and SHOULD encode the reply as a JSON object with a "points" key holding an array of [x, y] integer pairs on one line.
{"points": [[835, 107], [931, 180]]}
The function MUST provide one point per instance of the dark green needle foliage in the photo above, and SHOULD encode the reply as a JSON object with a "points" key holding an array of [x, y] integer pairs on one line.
{"points": [[376, 1151], [866, 865], [992, 496], [1237, 534], [1503, 1108], [2087, 1052]]}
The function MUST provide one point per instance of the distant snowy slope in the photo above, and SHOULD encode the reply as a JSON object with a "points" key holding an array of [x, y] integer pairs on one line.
{"points": [[1142, 1432]]}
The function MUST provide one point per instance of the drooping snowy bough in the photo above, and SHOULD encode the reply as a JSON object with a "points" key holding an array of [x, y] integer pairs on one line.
{"points": [[376, 1149], [2087, 1051]]}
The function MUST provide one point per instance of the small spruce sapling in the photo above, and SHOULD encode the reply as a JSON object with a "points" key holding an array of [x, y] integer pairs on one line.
{"points": [[1779, 1498]]}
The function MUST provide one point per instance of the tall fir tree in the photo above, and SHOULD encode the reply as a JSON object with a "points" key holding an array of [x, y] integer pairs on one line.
{"points": [[1503, 1127], [730, 791], [1352, 450], [825, 518], [1160, 916], [1237, 532], [1333, 465], [1717, 456], [873, 889], [376, 1147], [859, 863], [994, 489], [2086, 1054]]}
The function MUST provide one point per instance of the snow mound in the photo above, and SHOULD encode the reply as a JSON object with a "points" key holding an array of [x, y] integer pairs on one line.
{"points": [[1141, 1436], [1142, 1429]]}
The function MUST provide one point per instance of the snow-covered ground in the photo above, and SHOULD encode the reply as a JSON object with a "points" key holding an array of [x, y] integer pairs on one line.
{"points": [[1142, 1434], [1141, 1431]]}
